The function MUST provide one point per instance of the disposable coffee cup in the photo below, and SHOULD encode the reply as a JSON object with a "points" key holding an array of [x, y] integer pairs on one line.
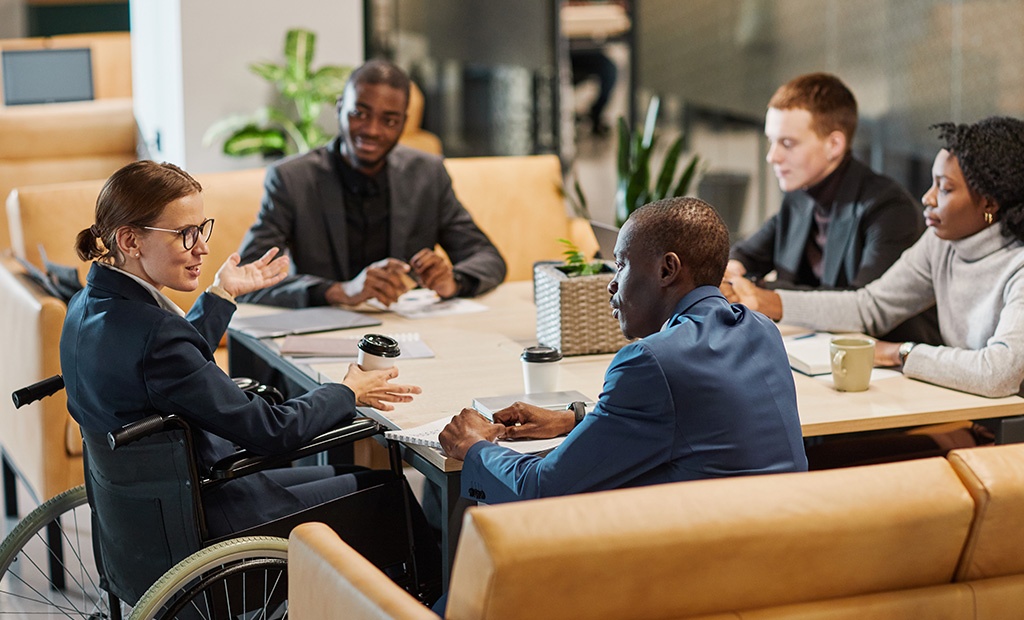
{"points": [[852, 362], [540, 369], [377, 352]]}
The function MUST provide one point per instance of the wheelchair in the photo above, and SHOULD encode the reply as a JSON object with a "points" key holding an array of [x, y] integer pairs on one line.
{"points": [[133, 540]]}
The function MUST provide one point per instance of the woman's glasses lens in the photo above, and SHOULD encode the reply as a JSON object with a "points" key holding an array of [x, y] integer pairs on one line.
{"points": [[191, 234]]}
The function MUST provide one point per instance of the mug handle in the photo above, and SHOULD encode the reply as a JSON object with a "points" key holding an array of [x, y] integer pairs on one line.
{"points": [[837, 363]]}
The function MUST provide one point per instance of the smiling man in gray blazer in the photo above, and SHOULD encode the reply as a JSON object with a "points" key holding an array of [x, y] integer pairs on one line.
{"points": [[361, 216]]}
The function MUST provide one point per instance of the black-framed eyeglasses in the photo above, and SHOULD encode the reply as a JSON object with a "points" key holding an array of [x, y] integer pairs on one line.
{"points": [[190, 234]]}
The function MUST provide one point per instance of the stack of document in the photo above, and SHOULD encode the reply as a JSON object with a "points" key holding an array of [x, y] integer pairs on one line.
{"points": [[809, 353], [303, 321]]}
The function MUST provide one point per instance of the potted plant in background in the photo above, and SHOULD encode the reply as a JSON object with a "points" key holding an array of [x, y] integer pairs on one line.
{"points": [[634, 167], [633, 170], [572, 305], [292, 127]]}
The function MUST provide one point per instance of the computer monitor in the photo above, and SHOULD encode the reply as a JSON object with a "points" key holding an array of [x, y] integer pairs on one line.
{"points": [[47, 75], [606, 236]]}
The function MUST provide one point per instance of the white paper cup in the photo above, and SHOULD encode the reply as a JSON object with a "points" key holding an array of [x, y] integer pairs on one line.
{"points": [[540, 369], [377, 352]]}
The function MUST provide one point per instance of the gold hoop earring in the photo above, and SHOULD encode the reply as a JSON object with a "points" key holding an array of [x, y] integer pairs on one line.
{"points": [[988, 217]]}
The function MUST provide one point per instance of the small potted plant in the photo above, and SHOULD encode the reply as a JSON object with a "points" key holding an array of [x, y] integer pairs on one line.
{"points": [[573, 314]]}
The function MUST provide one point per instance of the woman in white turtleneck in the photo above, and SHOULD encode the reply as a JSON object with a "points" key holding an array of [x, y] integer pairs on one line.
{"points": [[969, 263]]}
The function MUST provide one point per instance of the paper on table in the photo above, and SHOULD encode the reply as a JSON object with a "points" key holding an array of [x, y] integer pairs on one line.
{"points": [[549, 400], [427, 435], [877, 374], [424, 303]]}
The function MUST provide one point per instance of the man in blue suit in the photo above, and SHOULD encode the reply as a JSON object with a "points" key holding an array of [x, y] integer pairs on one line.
{"points": [[706, 392]]}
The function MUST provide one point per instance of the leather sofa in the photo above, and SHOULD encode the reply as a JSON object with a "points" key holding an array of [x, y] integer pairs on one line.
{"points": [[934, 538], [512, 197], [55, 142]]}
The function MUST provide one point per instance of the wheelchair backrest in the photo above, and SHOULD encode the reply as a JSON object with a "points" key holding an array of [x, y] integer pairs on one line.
{"points": [[146, 513]]}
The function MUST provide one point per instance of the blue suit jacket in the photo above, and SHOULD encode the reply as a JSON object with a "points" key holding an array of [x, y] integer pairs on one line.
{"points": [[124, 358], [710, 395]]}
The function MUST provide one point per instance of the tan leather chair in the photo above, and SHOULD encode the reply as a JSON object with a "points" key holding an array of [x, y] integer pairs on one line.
{"points": [[52, 215], [50, 143], [518, 202], [877, 542], [63, 142], [414, 135], [40, 440]]}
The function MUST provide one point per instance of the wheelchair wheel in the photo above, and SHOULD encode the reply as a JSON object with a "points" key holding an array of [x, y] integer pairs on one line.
{"points": [[239, 578], [47, 567]]}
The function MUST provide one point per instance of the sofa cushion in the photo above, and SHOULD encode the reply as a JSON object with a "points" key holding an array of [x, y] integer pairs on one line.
{"points": [[713, 546], [998, 598], [994, 476]]}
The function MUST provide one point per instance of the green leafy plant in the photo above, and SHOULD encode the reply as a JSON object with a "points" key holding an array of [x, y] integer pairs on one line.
{"points": [[634, 167], [292, 127], [576, 264]]}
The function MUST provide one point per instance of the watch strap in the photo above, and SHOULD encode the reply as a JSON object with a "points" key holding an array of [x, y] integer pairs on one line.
{"points": [[579, 409]]}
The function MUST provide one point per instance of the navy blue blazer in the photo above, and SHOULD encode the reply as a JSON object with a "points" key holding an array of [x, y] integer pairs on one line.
{"points": [[710, 395], [124, 357], [303, 211]]}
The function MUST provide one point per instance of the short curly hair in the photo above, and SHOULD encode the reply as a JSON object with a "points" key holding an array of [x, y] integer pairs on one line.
{"points": [[689, 227], [991, 157]]}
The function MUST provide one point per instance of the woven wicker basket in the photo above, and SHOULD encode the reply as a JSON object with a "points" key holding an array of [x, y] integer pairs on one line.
{"points": [[573, 314]]}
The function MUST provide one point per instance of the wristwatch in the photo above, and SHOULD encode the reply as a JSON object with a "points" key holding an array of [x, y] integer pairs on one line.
{"points": [[579, 409], [904, 351]]}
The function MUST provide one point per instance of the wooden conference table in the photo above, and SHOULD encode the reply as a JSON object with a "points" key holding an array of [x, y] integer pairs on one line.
{"points": [[477, 354]]}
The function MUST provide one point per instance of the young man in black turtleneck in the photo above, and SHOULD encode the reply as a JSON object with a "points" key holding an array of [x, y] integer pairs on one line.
{"points": [[840, 225]]}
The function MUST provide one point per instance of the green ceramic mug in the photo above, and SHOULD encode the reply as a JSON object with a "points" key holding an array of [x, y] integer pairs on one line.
{"points": [[852, 362]]}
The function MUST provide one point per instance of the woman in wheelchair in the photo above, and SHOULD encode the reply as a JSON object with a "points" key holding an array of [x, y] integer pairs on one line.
{"points": [[127, 351]]}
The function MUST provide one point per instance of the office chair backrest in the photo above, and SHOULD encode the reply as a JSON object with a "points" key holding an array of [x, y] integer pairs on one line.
{"points": [[145, 509]]}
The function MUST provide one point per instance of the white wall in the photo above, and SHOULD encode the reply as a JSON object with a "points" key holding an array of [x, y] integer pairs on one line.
{"points": [[190, 65]]}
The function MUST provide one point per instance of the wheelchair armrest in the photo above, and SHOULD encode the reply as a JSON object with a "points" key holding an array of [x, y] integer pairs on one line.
{"points": [[243, 463]]}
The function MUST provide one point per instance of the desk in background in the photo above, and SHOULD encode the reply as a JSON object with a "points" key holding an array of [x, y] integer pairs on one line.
{"points": [[478, 355]]}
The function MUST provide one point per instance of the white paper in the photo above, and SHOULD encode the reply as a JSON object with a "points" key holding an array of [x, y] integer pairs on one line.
{"points": [[424, 303]]}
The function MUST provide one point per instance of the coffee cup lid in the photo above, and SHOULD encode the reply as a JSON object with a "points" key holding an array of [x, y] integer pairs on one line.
{"points": [[379, 345], [541, 354]]}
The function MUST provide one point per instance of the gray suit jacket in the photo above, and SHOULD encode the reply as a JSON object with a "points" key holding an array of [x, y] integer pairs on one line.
{"points": [[303, 212]]}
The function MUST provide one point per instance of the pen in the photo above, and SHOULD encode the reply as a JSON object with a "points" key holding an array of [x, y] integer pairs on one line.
{"points": [[805, 336]]}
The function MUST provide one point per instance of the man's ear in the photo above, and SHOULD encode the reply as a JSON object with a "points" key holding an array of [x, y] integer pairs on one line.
{"points": [[837, 146], [671, 268]]}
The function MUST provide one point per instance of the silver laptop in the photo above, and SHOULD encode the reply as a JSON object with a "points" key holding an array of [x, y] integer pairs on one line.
{"points": [[606, 236]]}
